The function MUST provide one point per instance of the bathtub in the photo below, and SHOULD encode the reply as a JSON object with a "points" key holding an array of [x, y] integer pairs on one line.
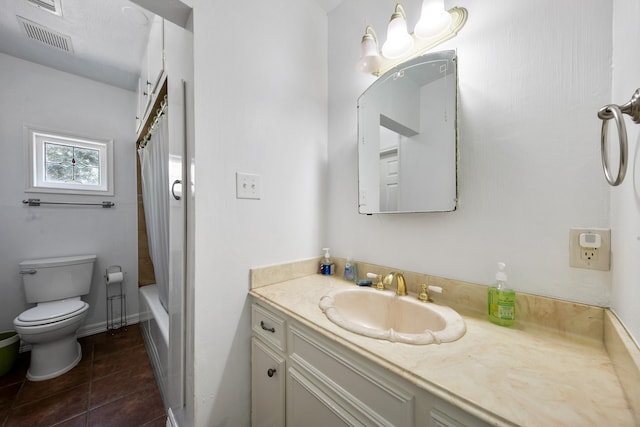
{"points": [[154, 322]]}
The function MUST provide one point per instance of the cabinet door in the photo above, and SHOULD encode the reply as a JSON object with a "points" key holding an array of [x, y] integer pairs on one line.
{"points": [[309, 406], [267, 386], [141, 102], [155, 55]]}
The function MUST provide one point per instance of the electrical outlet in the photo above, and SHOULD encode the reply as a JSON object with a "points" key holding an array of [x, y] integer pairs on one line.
{"points": [[588, 254], [582, 255], [247, 186]]}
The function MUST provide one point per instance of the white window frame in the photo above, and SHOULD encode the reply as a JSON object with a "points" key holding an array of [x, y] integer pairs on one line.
{"points": [[34, 141]]}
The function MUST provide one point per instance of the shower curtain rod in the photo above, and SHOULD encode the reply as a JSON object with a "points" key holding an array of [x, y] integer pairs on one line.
{"points": [[159, 113]]}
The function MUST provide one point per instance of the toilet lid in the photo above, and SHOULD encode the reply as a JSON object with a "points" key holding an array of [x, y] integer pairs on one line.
{"points": [[51, 311]]}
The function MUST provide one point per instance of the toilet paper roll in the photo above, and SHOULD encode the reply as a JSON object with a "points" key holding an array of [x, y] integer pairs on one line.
{"points": [[115, 277]]}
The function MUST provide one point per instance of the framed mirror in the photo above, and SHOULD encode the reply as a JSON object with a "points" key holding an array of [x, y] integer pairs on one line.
{"points": [[407, 138]]}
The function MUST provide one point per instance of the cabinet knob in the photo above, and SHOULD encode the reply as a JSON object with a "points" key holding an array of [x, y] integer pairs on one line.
{"points": [[271, 372]]}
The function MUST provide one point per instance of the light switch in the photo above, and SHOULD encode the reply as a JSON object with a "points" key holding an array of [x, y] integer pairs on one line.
{"points": [[247, 186]]}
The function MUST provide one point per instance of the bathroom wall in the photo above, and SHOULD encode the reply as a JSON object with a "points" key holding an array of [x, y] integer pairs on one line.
{"points": [[532, 76], [260, 107], [37, 95], [625, 199]]}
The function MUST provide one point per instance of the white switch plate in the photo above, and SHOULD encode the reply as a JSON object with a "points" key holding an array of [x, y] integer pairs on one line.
{"points": [[247, 186], [592, 259]]}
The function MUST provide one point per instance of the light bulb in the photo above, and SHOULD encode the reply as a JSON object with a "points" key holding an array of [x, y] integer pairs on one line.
{"points": [[370, 59], [399, 42], [434, 19]]}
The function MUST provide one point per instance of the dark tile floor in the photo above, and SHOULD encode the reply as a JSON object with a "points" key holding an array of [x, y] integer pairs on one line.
{"points": [[113, 385]]}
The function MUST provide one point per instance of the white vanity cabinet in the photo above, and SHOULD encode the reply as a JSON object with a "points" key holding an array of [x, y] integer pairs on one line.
{"points": [[267, 385], [268, 368], [326, 384], [356, 391]]}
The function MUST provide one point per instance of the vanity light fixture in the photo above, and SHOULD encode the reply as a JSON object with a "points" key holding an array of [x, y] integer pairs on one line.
{"points": [[370, 60], [436, 25], [399, 41], [434, 19]]}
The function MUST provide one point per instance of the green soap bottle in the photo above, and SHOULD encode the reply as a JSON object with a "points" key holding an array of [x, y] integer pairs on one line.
{"points": [[502, 301]]}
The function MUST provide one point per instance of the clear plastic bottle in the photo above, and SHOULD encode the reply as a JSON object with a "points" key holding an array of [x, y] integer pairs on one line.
{"points": [[327, 267], [501, 300], [350, 273]]}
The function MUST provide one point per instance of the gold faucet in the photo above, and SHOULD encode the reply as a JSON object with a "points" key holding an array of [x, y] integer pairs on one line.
{"points": [[402, 286]]}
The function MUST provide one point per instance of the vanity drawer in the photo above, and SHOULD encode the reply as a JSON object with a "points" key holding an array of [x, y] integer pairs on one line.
{"points": [[269, 326]]}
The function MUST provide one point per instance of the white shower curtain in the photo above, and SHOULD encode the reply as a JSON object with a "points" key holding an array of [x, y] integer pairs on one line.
{"points": [[155, 196]]}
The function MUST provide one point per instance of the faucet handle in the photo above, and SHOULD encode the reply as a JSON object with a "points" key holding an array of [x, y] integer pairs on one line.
{"points": [[378, 277], [424, 294]]}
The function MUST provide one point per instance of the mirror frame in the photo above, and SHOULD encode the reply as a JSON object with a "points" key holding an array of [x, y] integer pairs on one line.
{"points": [[449, 56]]}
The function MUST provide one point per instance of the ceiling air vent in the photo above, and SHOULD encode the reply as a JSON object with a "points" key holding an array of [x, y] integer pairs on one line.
{"points": [[45, 35], [52, 6]]}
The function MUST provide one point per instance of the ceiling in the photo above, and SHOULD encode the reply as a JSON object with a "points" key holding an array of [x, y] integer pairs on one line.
{"points": [[107, 38]]}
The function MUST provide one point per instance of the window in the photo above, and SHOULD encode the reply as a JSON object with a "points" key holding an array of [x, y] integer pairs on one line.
{"points": [[64, 163]]}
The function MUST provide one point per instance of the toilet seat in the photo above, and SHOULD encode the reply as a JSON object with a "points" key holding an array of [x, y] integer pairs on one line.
{"points": [[51, 312]]}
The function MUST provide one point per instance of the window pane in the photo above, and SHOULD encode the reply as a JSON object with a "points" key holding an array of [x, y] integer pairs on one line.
{"points": [[87, 156], [72, 164], [87, 175], [57, 172], [58, 153]]}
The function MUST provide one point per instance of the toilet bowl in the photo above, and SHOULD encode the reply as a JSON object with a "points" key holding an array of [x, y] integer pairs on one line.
{"points": [[50, 327]]}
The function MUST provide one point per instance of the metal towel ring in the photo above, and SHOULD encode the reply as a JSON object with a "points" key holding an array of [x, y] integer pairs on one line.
{"points": [[612, 111]]}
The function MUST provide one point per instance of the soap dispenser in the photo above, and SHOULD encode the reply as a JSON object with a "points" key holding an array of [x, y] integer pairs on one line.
{"points": [[350, 272], [327, 267], [501, 300]]}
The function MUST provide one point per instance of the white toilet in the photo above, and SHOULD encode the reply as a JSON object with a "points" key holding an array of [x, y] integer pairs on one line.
{"points": [[56, 285]]}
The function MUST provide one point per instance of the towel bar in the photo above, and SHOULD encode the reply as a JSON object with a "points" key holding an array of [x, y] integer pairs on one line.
{"points": [[38, 202]]}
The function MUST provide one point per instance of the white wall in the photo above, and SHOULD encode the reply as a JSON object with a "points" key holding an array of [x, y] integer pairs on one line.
{"points": [[260, 107], [37, 95], [532, 76], [625, 199]]}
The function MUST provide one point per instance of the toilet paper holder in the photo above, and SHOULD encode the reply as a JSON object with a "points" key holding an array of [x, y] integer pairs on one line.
{"points": [[116, 298]]}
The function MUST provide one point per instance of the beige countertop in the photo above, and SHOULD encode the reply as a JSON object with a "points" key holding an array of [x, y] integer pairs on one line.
{"points": [[506, 376]]}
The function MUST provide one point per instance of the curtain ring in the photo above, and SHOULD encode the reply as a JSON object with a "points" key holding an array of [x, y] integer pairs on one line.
{"points": [[606, 113]]}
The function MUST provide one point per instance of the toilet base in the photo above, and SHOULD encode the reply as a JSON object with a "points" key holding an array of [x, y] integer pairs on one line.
{"points": [[52, 359]]}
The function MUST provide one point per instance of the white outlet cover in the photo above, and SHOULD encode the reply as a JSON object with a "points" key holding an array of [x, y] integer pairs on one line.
{"points": [[602, 258]]}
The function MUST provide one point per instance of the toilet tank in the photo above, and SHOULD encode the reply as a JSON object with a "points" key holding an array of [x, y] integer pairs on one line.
{"points": [[51, 279]]}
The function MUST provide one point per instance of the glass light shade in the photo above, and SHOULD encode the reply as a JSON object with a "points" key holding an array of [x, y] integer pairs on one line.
{"points": [[398, 41], [434, 19], [370, 59]]}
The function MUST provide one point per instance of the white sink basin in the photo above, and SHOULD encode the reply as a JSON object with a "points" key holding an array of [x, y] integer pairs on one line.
{"points": [[384, 315]]}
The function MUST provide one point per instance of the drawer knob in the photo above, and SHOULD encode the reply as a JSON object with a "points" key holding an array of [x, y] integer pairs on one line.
{"points": [[266, 328], [271, 372]]}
